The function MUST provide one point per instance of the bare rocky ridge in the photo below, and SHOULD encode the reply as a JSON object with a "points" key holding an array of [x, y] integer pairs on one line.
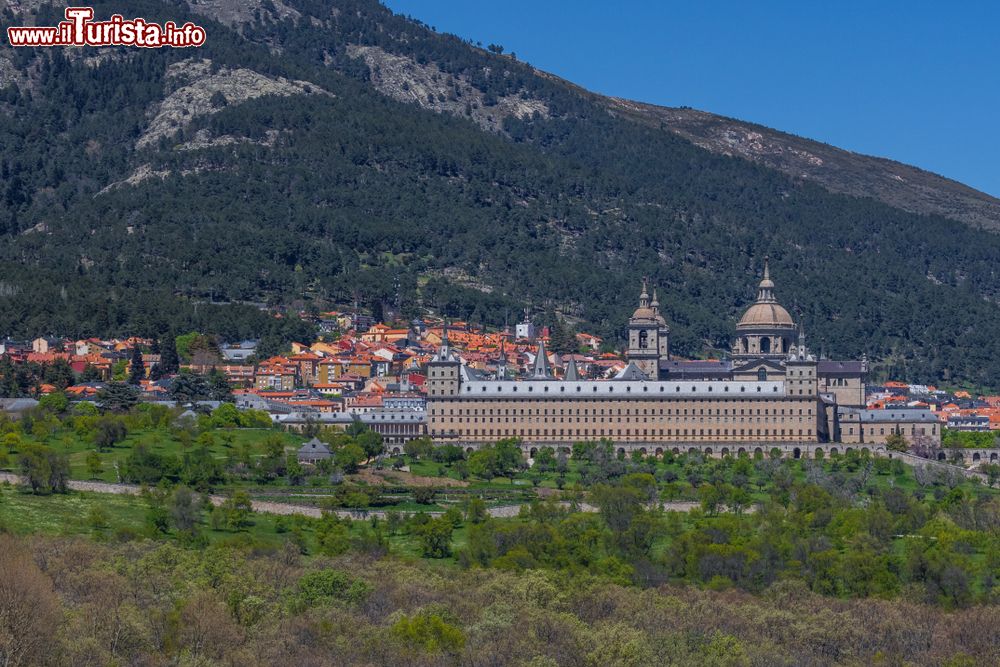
{"points": [[8, 73], [426, 85], [194, 97], [236, 12], [838, 170]]}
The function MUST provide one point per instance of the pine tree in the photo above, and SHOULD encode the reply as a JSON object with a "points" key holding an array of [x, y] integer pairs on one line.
{"points": [[117, 397], [219, 388], [137, 369], [169, 361], [561, 339]]}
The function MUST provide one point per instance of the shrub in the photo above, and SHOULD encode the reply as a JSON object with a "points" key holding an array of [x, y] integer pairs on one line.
{"points": [[430, 632], [329, 585]]}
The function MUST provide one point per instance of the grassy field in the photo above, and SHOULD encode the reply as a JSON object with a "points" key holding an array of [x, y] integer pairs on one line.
{"points": [[111, 517]]}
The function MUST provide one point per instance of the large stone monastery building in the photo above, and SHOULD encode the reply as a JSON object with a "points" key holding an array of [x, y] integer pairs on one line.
{"points": [[771, 391]]}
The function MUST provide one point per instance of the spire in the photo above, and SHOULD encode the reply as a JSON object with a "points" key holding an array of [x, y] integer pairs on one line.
{"points": [[572, 375], [541, 366], [502, 361], [444, 352], [655, 303], [765, 291], [644, 295]]}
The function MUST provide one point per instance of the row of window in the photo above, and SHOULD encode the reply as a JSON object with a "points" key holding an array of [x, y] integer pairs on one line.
{"points": [[619, 433], [587, 412], [773, 419], [914, 430], [609, 387]]}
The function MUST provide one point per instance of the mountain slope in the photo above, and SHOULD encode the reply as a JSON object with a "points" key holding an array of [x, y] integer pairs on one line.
{"points": [[837, 170], [337, 153]]}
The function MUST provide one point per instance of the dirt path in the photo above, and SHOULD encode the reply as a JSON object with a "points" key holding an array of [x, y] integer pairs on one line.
{"points": [[285, 509]]}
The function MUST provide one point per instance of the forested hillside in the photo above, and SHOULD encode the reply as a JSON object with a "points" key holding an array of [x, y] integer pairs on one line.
{"points": [[317, 152]]}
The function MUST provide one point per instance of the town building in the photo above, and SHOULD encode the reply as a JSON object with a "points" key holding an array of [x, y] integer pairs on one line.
{"points": [[771, 390]]}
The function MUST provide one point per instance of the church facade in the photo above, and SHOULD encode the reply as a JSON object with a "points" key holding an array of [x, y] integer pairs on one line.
{"points": [[771, 391]]}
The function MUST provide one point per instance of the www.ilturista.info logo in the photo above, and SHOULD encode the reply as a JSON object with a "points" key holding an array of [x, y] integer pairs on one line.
{"points": [[79, 29]]}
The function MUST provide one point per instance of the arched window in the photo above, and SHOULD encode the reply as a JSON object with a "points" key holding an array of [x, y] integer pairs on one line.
{"points": [[762, 374], [643, 340], [765, 345]]}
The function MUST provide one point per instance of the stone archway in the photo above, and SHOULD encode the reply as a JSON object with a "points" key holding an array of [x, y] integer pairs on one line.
{"points": [[758, 453], [818, 453], [833, 451], [621, 451], [796, 453], [976, 457], [395, 451], [708, 451], [724, 452], [941, 456], [533, 452], [659, 452], [469, 450]]}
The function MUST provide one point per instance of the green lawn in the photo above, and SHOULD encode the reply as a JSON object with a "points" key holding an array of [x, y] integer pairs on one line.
{"points": [[125, 517]]}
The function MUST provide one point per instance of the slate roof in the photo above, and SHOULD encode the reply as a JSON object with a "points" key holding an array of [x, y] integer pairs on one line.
{"points": [[892, 415], [314, 450], [830, 367]]}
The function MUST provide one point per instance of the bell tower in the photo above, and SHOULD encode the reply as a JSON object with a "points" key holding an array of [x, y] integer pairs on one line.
{"points": [[648, 335]]}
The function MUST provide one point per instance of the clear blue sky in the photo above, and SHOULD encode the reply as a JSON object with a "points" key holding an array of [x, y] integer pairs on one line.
{"points": [[915, 81]]}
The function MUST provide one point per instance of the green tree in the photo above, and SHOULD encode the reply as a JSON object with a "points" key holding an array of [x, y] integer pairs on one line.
{"points": [[137, 369], [371, 443], [435, 537], [45, 470], [117, 397], [55, 403], [896, 442], [238, 509], [184, 507], [108, 431], [349, 457], [188, 387], [419, 448], [169, 359], [218, 386], [94, 465]]}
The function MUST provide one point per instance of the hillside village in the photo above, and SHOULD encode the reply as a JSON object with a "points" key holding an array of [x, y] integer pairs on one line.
{"points": [[372, 372]]}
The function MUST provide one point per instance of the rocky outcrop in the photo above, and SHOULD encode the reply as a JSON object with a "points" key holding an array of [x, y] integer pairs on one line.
{"points": [[200, 91], [426, 85], [237, 12]]}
